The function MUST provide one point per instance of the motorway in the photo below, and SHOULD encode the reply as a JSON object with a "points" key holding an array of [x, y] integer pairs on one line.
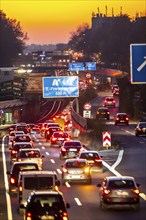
{"points": [[84, 199]]}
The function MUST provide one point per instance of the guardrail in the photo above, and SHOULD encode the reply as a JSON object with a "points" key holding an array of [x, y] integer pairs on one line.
{"points": [[78, 121]]}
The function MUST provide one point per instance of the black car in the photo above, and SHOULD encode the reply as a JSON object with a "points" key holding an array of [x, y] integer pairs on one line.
{"points": [[50, 132], [121, 118], [71, 149], [46, 205], [140, 129], [119, 192], [103, 112]]}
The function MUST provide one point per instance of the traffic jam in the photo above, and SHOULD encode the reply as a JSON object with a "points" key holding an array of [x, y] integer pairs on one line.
{"points": [[51, 174]]}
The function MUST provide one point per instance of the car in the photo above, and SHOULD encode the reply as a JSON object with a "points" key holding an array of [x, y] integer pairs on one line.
{"points": [[12, 127], [50, 132], [13, 133], [23, 127], [15, 149], [46, 205], [29, 181], [115, 87], [103, 112], [76, 170], [29, 154], [51, 124], [109, 102], [93, 158], [119, 192], [59, 137], [71, 149], [121, 118], [14, 173], [140, 129], [22, 138]]}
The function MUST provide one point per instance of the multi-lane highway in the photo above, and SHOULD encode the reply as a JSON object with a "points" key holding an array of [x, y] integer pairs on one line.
{"points": [[130, 159]]}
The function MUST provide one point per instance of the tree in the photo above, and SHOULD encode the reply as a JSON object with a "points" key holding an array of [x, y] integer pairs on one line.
{"points": [[12, 40]]}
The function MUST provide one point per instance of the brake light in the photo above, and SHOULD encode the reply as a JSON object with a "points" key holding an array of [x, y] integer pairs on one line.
{"points": [[108, 113], [136, 191], [64, 170], [117, 119], [12, 180], [114, 101], [28, 217], [105, 101], [65, 217], [68, 139], [20, 188], [127, 118], [54, 139], [63, 149], [98, 160], [86, 170], [106, 191], [14, 151]]}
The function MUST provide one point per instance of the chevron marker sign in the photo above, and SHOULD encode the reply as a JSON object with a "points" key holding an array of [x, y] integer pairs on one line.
{"points": [[106, 138]]}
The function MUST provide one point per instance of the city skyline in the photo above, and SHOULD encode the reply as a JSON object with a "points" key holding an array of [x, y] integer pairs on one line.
{"points": [[52, 22]]}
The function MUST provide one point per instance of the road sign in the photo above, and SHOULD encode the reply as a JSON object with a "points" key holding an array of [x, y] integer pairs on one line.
{"points": [[138, 63], [80, 66], [87, 106], [87, 114], [88, 75], [59, 87], [106, 138]]}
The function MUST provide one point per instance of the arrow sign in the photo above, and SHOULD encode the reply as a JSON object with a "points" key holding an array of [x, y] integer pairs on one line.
{"points": [[106, 138], [142, 65], [138, 63]]}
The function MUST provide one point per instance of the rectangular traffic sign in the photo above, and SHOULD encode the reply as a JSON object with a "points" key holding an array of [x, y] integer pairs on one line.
{"points": [[80, 66], [138, 63], [59, 87]]}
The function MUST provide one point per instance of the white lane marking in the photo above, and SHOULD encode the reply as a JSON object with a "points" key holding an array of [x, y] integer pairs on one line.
{"points": [[43, 148], [77, 201], [9, 209], [59, 171], [40, 143], [53, 161], [120, 155], [67, 184], [143, 196], [47, 153]]}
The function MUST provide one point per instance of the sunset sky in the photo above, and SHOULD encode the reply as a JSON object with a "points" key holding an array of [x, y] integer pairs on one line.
{"points": [[51, 22]]}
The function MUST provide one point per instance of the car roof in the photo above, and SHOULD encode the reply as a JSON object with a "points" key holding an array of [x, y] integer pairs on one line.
{"points": [[121, 113], [21, 162], [103, 108], [76, 159], [21, 143], [43, 172], [119, 178]]}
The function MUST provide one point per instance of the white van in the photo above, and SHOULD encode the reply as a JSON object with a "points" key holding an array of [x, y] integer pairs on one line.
{"points": [[35, 181]]}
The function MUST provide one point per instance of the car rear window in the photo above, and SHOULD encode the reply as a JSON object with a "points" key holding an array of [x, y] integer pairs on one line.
{"points": [[118, 184], [76, 164], [74, 144], [22, 138], [89, 156], [63, 135], [24, 167], [38, 183], [29, 154], [17, 147]]}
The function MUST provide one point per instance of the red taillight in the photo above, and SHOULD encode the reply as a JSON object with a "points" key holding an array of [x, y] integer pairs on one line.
{"points": [[64, 170], [106, 191], [28, 216], [114, 101], [54, 139], [14, 151], [12, 180], [63, 149], [65, 217], [20, 188], [127, 119], [105, 101]]}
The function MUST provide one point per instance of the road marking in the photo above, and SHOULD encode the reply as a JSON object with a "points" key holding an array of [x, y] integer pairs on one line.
{"points": [[53, 161], [67, 184], [120, 155], [59, 171], [9, 209], [47, 153], [40, 143], [43, 148], [77, 201]]}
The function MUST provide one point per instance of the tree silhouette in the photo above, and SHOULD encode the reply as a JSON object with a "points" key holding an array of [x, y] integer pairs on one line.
{"points": [[12, 40]]}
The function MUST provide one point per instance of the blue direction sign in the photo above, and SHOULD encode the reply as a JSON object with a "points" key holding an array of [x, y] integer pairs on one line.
{"points": [[138, 63], [59, 87], [80, 66]]}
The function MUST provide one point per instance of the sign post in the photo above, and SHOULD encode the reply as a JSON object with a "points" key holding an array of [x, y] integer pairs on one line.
{"points": [[106, 139], [138, 63]]}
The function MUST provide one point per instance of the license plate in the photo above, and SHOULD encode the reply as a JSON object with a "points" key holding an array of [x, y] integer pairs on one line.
{"points": [[49, 217], [72, 149], [122, 193], [122, 121]]}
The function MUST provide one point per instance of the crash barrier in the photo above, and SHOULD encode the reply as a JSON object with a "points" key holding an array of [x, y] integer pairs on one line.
{"points": [[78, 121]]}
